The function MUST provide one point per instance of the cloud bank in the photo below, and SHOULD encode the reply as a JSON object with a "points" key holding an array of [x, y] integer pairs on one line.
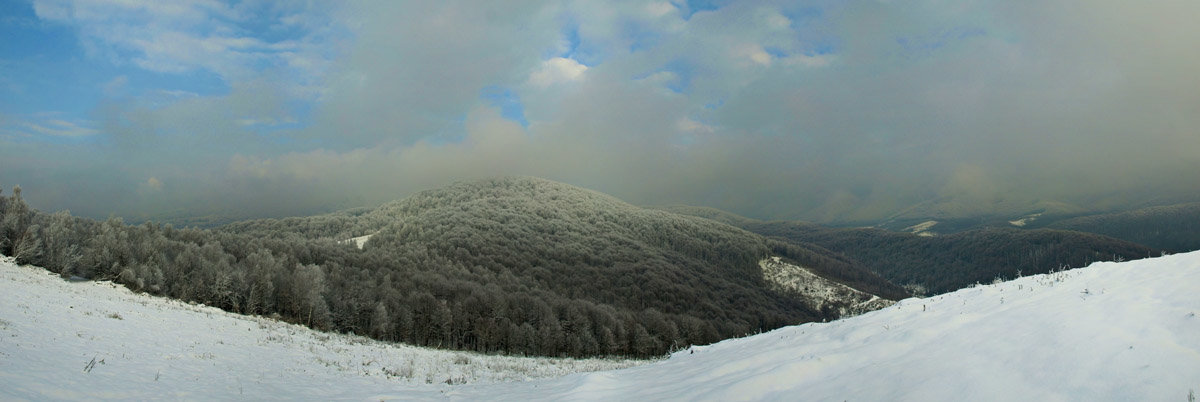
{"points": [[827, 111]]}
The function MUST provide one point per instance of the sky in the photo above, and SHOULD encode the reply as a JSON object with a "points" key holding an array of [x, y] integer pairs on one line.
{"points": [[815, 110]]}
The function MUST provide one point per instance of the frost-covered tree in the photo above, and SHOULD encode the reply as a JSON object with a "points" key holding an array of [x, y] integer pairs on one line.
{"points": [[18, 236], [62, 242], [381, 322], [521, 266], [308, 301]]}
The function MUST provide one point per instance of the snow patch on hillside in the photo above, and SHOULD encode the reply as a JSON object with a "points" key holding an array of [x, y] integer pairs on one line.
{"points": [[822, 292], [359, 241], [1024, 220], [922, 229]]}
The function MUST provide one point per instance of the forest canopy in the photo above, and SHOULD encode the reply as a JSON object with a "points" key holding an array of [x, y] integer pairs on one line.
{"points": [[510, 265], [940, 264]]}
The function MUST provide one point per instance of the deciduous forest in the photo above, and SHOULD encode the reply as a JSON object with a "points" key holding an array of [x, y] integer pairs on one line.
{"points": [[514, 265]]}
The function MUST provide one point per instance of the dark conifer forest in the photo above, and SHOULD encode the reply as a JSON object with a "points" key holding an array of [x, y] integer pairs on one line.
{"points": [[511, 265]]}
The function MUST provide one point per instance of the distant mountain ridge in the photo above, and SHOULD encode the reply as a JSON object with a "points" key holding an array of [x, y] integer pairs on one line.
{"points": [[1174, 228], [948, 262]]}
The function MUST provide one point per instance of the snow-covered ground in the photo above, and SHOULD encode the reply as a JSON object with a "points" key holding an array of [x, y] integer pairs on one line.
{"points": [[848, 301], [360, 240], [922, 229], [1112, 331], [85, 340], [1024, 220]]}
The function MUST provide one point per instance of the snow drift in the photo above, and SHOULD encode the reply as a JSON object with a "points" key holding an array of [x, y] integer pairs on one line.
{"points": [[1112, 331]]}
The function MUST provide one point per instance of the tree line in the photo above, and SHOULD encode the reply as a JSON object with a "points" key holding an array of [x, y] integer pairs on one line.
{"points": [[946, 263], [518, 266], [1175, 228]]}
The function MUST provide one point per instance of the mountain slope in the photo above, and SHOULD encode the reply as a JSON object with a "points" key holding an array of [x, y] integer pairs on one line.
{"points": [[95, 340], [509, 265], [688, 280], [1112, 331], [1171, 227], [948, 262]]}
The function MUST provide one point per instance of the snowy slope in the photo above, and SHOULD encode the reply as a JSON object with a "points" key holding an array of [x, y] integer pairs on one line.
{"points": [[823, 292], [1112, 331], [148, 347]]}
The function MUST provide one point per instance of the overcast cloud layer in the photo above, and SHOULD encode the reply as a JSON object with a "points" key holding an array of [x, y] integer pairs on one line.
{"points": [[801, 110]]}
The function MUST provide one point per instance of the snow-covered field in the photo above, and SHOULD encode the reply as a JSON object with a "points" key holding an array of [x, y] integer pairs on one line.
{"points": [[85, 340], [1112, 331]]}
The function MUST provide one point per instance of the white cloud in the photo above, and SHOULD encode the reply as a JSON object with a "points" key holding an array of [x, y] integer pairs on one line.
{"points": [[753, 52], [264, 121], [154, 184], [185, 36], [1038, 83], [416, 68], [661, 79], [778, 21], [59, 128], [659, 9], [53, 10], [688, 125], [557, 70], [808, 61], [115, 86]]}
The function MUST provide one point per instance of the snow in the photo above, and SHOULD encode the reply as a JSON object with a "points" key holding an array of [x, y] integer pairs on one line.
{"points": [[150, 348], [1024, 220], [359, 241], [922, 229], [848, 301], [1112, 331]]}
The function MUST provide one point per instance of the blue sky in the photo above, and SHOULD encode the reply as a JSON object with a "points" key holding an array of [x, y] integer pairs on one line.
{"points": [[66, 59], [59, 68], [822, 110], [43, 68]]}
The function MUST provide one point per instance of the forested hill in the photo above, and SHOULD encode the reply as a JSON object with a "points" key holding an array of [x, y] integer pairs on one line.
{"points": [[513, 265], [1175, 228], [528, 222], [580, 254], [946, 263]]}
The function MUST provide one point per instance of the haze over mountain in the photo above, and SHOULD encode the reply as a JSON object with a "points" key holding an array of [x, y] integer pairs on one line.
{"points": [[942, 263], [1171, 227], [822, 111]]}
